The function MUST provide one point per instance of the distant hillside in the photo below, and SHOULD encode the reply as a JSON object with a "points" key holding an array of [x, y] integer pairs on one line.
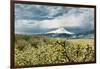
{"points": [[63, 33]]}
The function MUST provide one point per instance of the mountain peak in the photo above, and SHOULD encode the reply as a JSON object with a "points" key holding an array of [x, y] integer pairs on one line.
{"points": [[60, 30]]}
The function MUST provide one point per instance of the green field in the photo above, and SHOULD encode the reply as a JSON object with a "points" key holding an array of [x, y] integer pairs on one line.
{"points": [[35, 50]]}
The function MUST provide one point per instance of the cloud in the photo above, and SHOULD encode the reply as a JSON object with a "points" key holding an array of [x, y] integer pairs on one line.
{"points": [[40, 19], [70, 20], [37, 12]]}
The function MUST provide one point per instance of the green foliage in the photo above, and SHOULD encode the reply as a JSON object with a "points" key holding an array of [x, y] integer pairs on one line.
{"points": [[33, 50]]}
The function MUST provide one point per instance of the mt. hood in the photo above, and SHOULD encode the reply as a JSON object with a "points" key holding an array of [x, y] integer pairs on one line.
{"points": [[60, 30]]}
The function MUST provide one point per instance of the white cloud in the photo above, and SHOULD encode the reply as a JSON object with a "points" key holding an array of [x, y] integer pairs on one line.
{"points": [[69, 20]]}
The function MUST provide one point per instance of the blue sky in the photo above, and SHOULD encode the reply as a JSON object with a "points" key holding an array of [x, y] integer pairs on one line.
{"points": [[33, 19]]}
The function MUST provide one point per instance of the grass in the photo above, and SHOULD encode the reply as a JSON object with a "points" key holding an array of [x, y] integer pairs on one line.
{"points": [[35, 50]]}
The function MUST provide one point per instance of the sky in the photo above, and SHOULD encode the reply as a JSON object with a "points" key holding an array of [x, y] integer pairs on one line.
{"points": [[36, 19]]}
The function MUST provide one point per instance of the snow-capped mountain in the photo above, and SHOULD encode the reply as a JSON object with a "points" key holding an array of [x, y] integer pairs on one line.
{"points": [[60, 31], [63, 33]]}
